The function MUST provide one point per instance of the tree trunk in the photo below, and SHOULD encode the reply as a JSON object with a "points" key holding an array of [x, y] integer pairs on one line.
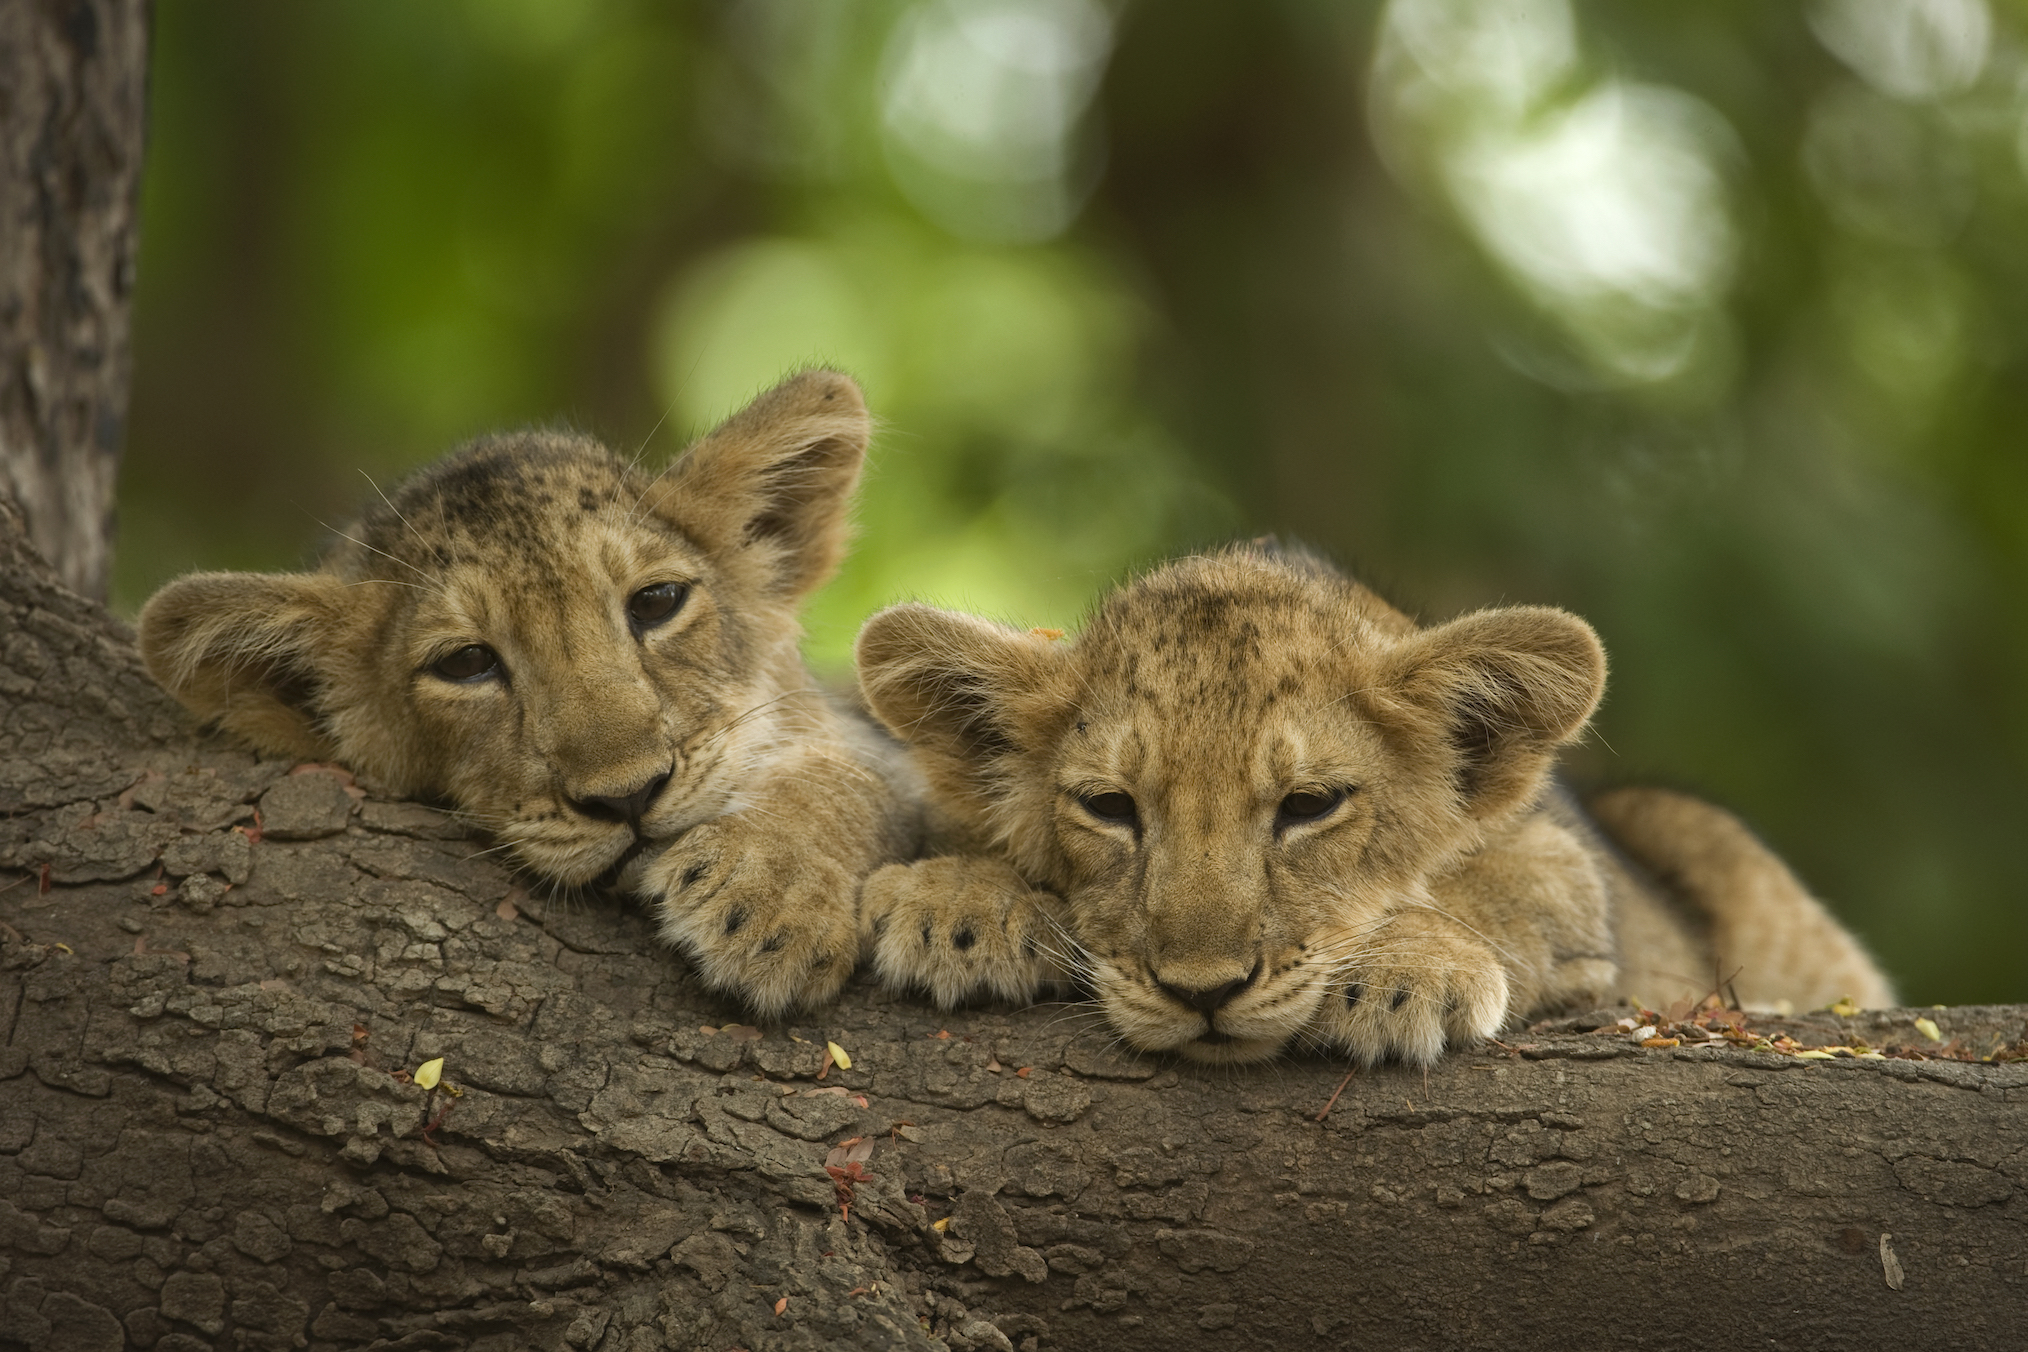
{"points": [[73, 76], [217, 979]]}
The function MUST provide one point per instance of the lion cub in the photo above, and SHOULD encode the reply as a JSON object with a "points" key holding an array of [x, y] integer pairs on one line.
{"points": [[600, 667], [1252, 805]]}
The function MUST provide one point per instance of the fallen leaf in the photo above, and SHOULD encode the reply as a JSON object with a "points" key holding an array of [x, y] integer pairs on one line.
{"points": [[825, 1069], [781, 1304], [1844, 1007], [707, 1030], [942, 1033], [1927, 1027], [942, 1225], [1022, 1073], [838, 1055], [840, 1090], [507, 910], [428, 1073], [1890, 1266], [1815, 1055], [159, 889], [993, 1064], [1644, 1032], [741, 1032]]}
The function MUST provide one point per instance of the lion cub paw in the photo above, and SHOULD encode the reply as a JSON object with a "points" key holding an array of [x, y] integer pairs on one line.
{"points": [[1410, 986], [763, 916], [960, 927]]}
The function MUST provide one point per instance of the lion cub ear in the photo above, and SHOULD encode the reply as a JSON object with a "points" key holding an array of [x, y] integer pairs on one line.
{"points": [[769, 487], [248, 652], [1505, 689], [958, 687]]}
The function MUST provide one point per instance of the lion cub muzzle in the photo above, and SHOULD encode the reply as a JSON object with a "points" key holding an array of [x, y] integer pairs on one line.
{"points": [[627, 807], [601, 730], [1200, 991]]}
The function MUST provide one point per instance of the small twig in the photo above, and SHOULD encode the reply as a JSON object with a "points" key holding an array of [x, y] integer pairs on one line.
{"points": [[1330, 1102], [1724, 987]]}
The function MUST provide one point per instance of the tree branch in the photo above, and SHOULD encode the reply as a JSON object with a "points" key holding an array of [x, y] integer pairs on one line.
{"points": [[208, 1131]]}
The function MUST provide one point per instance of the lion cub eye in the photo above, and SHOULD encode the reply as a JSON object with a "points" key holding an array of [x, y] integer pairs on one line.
{"points": [[1111, 807], [473, 662], [650, 606], [1307, 805]]}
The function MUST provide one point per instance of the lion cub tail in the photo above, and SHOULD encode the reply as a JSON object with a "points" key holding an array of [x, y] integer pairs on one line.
{"points": [[1763, 921]]}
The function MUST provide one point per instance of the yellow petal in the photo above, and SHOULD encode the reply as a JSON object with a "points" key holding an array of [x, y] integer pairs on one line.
{"points": [[1845, 1009], [428, 1073], [1815, 1056], [1928, 1028], [838, 1056], [942, 1225]]}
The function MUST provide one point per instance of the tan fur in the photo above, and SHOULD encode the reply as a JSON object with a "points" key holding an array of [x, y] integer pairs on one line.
{"points": [[1765, 931], [695, 751], [1339, 830]]}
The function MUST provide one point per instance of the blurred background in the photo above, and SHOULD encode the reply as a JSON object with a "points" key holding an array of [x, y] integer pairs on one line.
{"points": [[1709, 322]]}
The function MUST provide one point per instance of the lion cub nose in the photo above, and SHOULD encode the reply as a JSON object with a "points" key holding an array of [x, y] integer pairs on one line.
{"points": [[1206, 999], [622, 807]]}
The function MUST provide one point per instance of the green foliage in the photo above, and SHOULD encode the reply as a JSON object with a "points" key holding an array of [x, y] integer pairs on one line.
{"points": [[1705, 321]]}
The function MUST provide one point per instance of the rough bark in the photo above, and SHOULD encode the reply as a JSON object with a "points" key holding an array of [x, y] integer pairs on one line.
{"points": [[73, 76], [203, 1142]]}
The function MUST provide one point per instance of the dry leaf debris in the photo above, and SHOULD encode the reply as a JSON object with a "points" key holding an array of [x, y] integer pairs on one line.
{"points": [[846, 1164], [1712, 1023]]}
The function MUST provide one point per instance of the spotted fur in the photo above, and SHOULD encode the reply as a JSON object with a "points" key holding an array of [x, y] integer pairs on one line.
{"points": [[1254, 806], [690, 754]]}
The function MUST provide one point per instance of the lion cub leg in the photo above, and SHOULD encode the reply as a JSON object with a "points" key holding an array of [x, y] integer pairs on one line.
{"points": [[963, 926], [1517, 926], [1764, 922], [764, 899], [1408, 985]]}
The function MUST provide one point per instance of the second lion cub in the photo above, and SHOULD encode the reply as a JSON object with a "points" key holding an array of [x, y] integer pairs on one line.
{"points": [[1253, 805], [600, 666]]}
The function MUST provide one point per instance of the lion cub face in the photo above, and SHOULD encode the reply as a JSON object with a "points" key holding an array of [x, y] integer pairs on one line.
{"points": [[583, 657], [1241, 765]]}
